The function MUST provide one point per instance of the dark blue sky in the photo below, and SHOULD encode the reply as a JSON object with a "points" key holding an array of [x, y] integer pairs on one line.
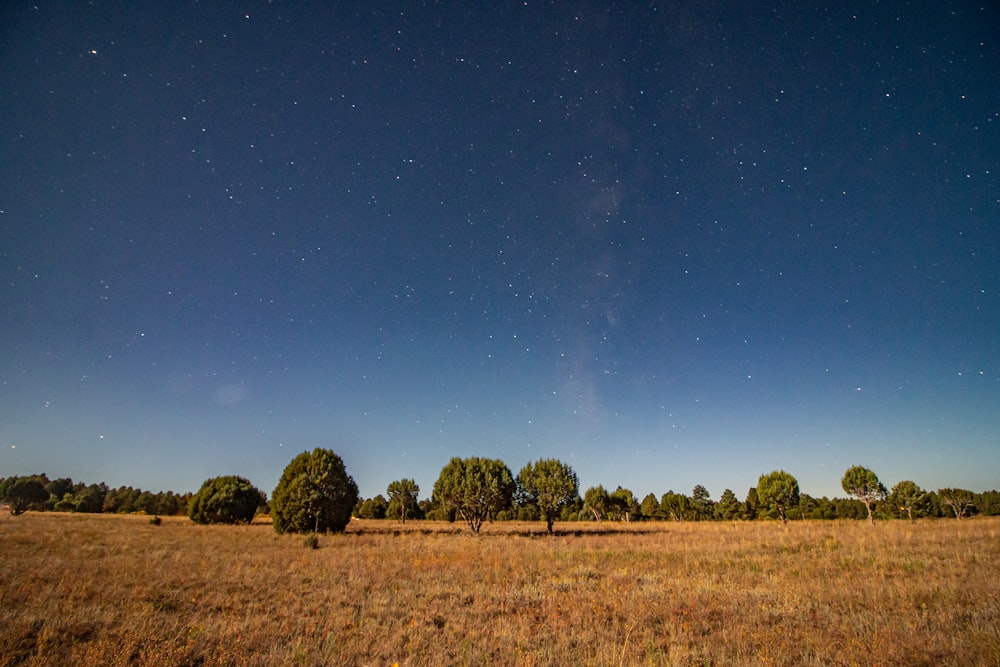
{"points": [[669, 244]]}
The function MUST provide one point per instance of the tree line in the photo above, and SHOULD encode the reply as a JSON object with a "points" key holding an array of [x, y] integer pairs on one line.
{"points": [[41, 494], [315, 493]]}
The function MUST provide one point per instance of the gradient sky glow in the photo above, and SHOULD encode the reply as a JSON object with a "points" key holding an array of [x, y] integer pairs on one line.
{"points": [[668, 244]]}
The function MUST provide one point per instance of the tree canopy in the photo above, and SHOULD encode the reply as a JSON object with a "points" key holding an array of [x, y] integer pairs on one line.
{"points": [[475, 488], [961, 501], [597, 501], [780, 490], [907, 497], [403, 498], [549, 485], [20, 493], [863, 484], [315, 493], [228, 499]]}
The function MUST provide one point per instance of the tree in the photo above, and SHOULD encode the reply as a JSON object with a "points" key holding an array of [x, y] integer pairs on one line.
{"points": [[779, 490], [623, 505], [729, 507], [675, 506], [752, 504], [907, 497], [403, 494], [373, 508], [650, 507], [702, 506], [597, 502], [57, 489], [863, 484], [315, 493], [549, 485], [168, 504], [20, 493], [228, 499], [961, 501], [145, 502], [988, 503], [475, 488], [90, 499]]}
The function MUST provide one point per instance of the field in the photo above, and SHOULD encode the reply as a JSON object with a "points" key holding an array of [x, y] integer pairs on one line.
{"points": [[116, 590]]}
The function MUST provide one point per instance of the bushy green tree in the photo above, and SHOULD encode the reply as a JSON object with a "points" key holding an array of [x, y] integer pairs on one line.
{"points": [[597, 501], [170, 504], [779, 490], [372, 508], [58, 489], [21, 493], [751, 504], [474, 488], [228, 499], [315, 493], [571, 511], [907, 497], [702, 507], [650, 507], [863, 484], [623, 505], [675, 506], [849, 508], [961, 501], [729, 507], [67, 504], [403, 499], [549, 485], [988, 503], [90, 499]]}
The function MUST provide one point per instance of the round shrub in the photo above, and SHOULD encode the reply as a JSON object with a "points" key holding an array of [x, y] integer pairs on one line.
{"points": [[314, 494], [227, 499]]}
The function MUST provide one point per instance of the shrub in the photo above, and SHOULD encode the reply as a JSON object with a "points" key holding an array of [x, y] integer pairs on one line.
{"points": [[440, 515], [228, 499], [23, 493], [315, 493]]}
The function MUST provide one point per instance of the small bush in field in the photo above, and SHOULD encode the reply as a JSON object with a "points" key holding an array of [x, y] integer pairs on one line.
{"points": [[156, 521], [311, 541]]}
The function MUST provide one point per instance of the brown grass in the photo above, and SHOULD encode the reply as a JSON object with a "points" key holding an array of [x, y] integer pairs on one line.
{"points": [[112, 590]]}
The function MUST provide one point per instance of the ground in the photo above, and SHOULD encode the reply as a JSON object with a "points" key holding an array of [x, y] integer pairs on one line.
{"points": [[117, 590]]}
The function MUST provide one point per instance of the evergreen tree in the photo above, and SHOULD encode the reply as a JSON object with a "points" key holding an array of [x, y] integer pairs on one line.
{"points": [[548, 485], [403, 499], [864, 485], [779, 490], [228, 499], [475, 489], [315, 493], [729, 507]]}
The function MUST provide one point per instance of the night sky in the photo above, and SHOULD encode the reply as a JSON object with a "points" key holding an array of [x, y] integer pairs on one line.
{"points": [[667, 243]]}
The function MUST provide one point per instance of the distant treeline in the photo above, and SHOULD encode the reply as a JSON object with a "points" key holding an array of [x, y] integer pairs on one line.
{"points": [[40, 494], [597, 504]]}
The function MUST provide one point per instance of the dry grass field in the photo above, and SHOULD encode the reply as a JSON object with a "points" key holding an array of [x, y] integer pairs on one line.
{"points": [[115, 590]]}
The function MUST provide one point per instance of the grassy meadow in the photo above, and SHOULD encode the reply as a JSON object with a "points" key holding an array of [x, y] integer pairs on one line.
{"points": [[116, 590]]}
